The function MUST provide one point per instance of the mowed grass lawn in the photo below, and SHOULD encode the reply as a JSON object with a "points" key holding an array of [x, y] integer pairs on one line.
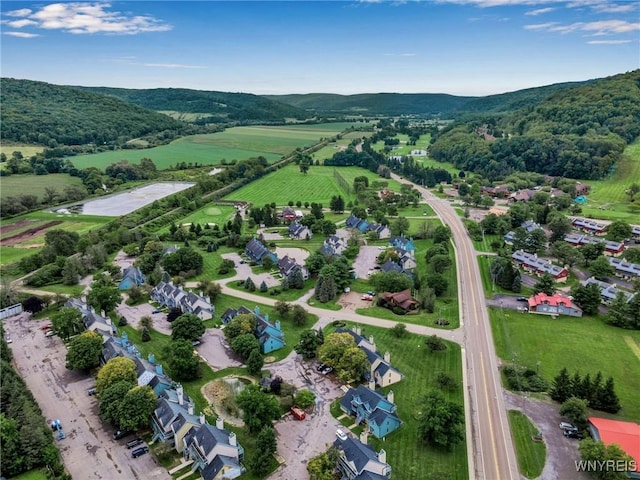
{"points": [[531, 454], [289, 184], [607, 199], [409, 457], [238, 143], [15, 185], [585, 344]]}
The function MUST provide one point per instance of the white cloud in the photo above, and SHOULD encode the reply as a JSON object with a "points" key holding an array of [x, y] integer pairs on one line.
{"points": [[608, 42], [540, 11], [21, 34], [19, 23], [541, 26], [87, 18]]}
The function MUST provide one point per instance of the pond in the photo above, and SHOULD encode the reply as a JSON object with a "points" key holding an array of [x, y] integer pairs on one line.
{"points": [[222, 393]]}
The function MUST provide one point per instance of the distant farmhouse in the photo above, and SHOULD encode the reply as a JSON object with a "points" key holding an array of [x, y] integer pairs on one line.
{"points": [[268, 334], [553, 305], [169, 295]]}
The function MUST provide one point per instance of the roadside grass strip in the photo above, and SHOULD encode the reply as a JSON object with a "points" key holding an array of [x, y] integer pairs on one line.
{"points": [[531, 454]]}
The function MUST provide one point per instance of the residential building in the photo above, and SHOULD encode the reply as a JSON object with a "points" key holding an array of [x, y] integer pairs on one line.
{"points": [[172, 296], [391, 266], [624, 434], [257, 252], [635, 233], [553, 305], [268, 334], [288, 214], [582, 189], [500, 191], [522, 195], [402, 300], [297, 231], [174, 414], [357, 223], [287, 267], [359, 461], [624, 269], [215, 451], [371, 408], [528, 225], [589, 226], [406, 243], [132, 276], [333, 246], [531, 263], [608, 291], [611, 248], [381, 230], [91, 320]]}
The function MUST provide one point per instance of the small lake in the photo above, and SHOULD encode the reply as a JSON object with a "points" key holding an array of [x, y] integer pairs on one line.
{"points": [[127, 202]]}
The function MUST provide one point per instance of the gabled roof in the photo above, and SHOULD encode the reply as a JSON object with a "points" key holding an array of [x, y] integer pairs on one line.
{"points": [[358, 455], [208, 436], [621, 265], [625, 434], [390, 266], [219, 462], [556, 300], [370, 398]]}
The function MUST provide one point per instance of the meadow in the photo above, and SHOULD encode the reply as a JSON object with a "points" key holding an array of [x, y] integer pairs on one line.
{"points": [[586, 344], [16, 185], [332, 148], [409, 458], [27, 151], [289, 184], [422, 144], [238, 143]]}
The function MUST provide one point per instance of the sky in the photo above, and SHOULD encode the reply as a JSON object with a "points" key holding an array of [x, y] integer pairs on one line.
{"points": [[459, 47]]}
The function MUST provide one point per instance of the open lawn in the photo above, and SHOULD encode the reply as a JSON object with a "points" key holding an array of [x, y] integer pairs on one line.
{"points": [[288, 184], [15, 185], [409, 458], [531, 454], [238, 143], [31, 475], [27, 151], [586, 344], [13, 254], [607, 199]]}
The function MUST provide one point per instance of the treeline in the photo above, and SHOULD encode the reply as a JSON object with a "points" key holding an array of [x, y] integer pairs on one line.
{"points": [[51, 115], [26, 441], [577, 133]]}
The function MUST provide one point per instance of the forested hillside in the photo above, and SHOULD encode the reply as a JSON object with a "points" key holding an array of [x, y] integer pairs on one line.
{"points": [[577, 133], [216, 106], [52, 115]]}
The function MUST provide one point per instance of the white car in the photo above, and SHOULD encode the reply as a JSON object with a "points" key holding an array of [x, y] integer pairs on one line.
{"points": [[341, 435], [567, 426]]}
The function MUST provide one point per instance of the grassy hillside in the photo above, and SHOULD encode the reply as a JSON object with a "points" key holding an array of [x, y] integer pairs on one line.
{"points": [[51, 115], [35, 184]]}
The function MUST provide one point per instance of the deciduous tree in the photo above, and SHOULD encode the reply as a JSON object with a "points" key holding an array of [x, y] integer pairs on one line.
{"points": [[84, 351], [182, 361], [188, 327], [118, 369], [259, 409], [441, 422]]}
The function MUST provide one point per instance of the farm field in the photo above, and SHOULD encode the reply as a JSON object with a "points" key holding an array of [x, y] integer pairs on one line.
{"points": [[238, 143], [288, 184], [332, 148], [409, 458], [607, 199], [586, 344], [16, 185], [211, 213], [27, 151], [421, 144]]}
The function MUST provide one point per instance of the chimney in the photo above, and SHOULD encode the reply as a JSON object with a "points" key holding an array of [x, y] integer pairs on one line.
{"points": [[387, 357], [219, 423], [151, 358], [358, 331], [202, 419], [190, 408], [390, 396], [232, 439], [180, 392], [364, 436], [159, 370], [372, 385], [382, 456], [103, 313], [371, 341]]}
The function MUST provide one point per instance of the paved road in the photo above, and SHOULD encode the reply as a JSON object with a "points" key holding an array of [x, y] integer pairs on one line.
{"points": [[490, 448]]}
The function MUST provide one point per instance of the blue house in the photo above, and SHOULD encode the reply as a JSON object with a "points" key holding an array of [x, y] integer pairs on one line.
{"points": [[257, 252], [403, 242], [368, 406], [269, 334], [131, 277]]}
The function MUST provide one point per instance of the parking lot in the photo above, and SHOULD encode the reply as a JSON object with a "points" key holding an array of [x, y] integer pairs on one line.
{"points": [[88, 450], [366, 261]]}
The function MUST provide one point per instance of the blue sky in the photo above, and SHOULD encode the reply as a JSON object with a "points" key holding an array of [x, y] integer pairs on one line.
{"points": [[461, 47]]}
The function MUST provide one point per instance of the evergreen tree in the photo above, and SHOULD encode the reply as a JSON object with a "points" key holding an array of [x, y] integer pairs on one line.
{"points": [[585, 388], [263, 286], [255, 362], [546, 284], [596, 392], [249, 285], [145, 336], [516, 285], [297, 281], [561, 388], [618, 311], [576, 383], [609, 398]]}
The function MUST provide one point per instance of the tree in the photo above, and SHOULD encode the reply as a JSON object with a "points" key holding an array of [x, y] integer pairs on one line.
{"points": [[305, 398], [118, 369], [619, 230], [183, 260], [546, 284], [84, 351], [353, 365], [299, 315], [111, 401], [561, 388], [587, 297], [591, 251], [559, 225], [322, 466], [282, 308], [32, 304], [609, 399], [182, 360], [266, 446], [174, 313], [259, 409], [618, 313], [441, 234], [188, 327], [104, 297], [249, 285], [337, 204], [66, 322], [438, 282], [241, 324], [575, 409], [596, 451], [399, 330], [601, 268], [334, 347], [245, 344], [446, 381], [390, 281], [565, 253], [439, 263], [255, 362], [304, 166], [308, 344], [211, 289], [399, 226], [434, 343], [441, 423], [145, 335], [315, 262], [136, 408]]}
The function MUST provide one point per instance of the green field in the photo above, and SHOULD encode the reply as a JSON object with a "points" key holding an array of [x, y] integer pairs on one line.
{"points": [[288, 184], [238, 143], [27, 151], [409, 458], [607, 199], [586, 344], [531, 454], [15, 185], [332, 148]]}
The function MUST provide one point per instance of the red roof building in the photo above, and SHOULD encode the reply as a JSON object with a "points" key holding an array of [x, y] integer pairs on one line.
{"points": [[624, 434], [555, 304]]}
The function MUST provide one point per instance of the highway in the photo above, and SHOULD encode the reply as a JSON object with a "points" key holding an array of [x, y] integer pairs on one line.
{"points": [[489, 444]]}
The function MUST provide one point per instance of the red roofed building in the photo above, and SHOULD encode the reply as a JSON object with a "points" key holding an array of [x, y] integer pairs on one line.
{"points": [[624, 434], [553, 305]]}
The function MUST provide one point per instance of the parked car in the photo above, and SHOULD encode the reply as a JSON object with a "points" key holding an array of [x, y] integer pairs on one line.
{"points": [[118, 434], [91, 391], [8, 340], [320, 367], [298, 414], [573, 434], [522, 299], [341, 435], [50, 333], [139, 451], [134, 443], [568, 426], [326, 370], [155, 311]]}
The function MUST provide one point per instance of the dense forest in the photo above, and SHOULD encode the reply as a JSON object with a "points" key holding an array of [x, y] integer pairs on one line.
{"points": [[577, 133], [218, 107], [51, 115]]}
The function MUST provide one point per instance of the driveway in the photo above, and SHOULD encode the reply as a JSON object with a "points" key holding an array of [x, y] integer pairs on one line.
{"points": [[88, 451], [365, 261], [215, 350], [243, 271]]}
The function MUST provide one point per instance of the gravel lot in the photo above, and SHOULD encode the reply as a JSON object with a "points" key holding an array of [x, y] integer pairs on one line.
{"points": [[88, 451], [365, 261]]}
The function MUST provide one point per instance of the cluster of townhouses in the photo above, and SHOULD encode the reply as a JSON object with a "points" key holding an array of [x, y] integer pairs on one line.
{"points": [[405, 252], [608, 291], [288, 267], [611, 248], [269, 334], [297, 231], [531, 263], [382, 231], [528, 225], [174, 296], [333, 246]]}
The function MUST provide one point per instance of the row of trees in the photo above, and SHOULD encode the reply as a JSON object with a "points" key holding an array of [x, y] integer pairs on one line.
{"points": [[598, 393]]}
